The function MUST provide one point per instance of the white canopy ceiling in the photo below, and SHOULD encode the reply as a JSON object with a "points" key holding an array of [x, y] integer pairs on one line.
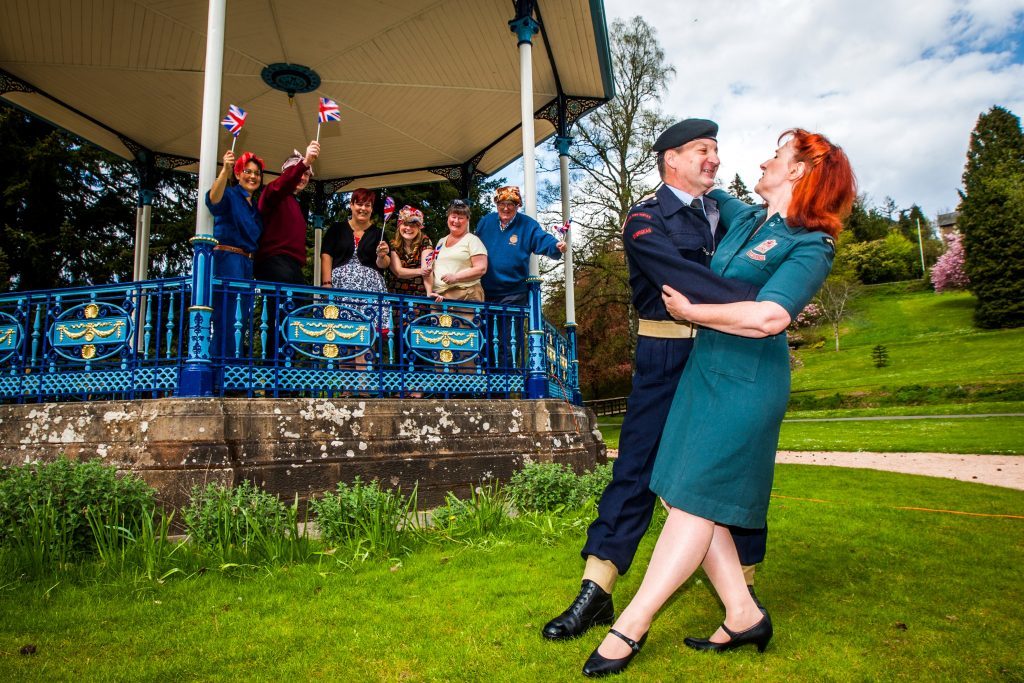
{"points": [[422, 84]]}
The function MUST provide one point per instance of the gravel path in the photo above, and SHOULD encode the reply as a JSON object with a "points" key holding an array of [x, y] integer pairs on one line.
{"points": [[997, 470]]}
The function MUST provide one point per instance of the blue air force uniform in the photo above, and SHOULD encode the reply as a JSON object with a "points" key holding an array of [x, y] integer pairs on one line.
{"points": [[666, 242]]}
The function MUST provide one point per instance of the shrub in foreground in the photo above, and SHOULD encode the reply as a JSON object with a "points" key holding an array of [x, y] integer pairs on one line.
{"points": [[45, 508], [366, 519], [543, 487]]}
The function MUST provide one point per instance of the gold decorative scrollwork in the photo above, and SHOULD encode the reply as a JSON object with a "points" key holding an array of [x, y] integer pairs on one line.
{"points": [[444, 320], [331, 312], [330, 351], [446, 339], [8, 336], [91, 311], [446, 356], [88, 351], [329, 331], [90, 331]]}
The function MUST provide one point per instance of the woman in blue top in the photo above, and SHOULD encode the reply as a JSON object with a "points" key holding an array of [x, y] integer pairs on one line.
{"points": [[237, 227], [717, 453]]}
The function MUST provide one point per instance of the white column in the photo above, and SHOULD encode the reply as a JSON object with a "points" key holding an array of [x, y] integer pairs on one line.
{"points": [[142, 248], [529, 139], [208, 160], [570, 289]]}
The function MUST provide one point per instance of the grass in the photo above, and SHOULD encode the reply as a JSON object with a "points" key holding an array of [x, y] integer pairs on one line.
{"points": [[859, 589], [930, 339]]}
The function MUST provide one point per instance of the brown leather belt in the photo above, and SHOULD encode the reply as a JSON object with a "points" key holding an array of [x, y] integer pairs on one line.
{"points": [[667, 329], [233, 250]]}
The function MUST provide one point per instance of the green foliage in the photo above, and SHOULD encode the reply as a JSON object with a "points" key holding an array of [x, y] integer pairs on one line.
{"points": [[992, 218], [366, 520], [68, 208], [43, 506], [545, 487], [890, 259], [737, 188], [484, 513], [243, 524], [880, 356]]}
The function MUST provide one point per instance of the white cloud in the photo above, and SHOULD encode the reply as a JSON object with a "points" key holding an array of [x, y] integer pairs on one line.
{"points": [[898, 84]]}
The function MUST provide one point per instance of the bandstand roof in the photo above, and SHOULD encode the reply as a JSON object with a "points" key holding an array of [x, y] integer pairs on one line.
{"points": [[424, 86]]}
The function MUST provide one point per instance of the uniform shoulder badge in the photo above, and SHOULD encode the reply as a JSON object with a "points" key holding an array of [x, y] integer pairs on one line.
{"points": [[637, 210]]}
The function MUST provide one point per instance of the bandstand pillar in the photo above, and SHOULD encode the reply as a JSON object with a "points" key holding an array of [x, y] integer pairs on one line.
{"points": [[562, 143], [197, 376], [317, 219], [525, 27]]}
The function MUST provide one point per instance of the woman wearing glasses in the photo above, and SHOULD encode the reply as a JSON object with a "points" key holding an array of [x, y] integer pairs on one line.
{"points": [[237, 227], [460, 259]]}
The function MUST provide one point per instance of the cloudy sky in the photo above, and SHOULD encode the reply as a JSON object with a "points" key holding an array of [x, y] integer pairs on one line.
{"points": [[898, 83]]}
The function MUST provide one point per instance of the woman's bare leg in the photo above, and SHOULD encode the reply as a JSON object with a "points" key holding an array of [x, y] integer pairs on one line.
{"points": [[722, 565], [680, 549]]}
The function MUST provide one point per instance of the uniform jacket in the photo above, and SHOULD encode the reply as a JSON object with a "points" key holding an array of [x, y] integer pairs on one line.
{"points": [[667, 242]]}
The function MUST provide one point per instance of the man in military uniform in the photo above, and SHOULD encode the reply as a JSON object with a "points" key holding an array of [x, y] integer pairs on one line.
{"points": [[669, 239]]}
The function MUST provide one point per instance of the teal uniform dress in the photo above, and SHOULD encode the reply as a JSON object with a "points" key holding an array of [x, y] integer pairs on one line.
{"points": [[717, 454]]}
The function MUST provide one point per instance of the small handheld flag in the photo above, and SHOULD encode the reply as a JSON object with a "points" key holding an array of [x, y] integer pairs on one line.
{"points": [[389, 208], [233, 121], [560, 230], [328, 111]]}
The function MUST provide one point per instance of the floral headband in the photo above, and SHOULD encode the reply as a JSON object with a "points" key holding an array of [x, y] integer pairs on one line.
{"points": [[410, 214]]}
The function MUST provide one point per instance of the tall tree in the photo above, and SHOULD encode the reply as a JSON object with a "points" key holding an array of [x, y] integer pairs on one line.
{"points": [[992, 218], [612, 162], [738, 189]]}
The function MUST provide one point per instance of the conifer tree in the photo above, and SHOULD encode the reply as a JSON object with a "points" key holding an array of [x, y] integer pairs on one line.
{"points": [[992, 218]]}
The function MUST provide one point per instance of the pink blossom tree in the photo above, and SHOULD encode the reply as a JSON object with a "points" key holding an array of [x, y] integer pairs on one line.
{"points": [[948, 272]]}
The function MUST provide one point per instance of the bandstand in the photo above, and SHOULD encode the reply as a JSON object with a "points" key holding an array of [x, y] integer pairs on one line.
{"points": [[126, 371]]}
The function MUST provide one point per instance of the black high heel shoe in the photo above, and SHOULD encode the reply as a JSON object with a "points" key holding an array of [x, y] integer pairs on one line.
{"points": [[759, 634], [598, 666]]}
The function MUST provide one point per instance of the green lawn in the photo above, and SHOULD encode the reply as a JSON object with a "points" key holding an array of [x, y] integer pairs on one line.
{"points": [[986, 435], [929, 337], [859, 589]]}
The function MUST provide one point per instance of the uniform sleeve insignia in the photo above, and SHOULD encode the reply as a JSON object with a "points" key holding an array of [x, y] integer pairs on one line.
{"points": [[765, 247], [636, 214], [755, 256], [641, 232]]}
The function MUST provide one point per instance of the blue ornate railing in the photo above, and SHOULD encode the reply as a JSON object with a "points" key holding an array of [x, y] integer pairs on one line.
{"points": [[135, 340]]}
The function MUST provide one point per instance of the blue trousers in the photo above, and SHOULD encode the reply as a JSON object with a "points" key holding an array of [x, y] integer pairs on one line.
{"points": [[627, 504]]}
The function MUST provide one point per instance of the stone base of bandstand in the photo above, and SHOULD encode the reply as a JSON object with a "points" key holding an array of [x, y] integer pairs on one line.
{"points": [[306, 446]]}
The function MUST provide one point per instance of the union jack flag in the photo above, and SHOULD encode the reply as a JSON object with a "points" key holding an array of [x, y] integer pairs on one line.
{"points": [[234, 120], [560, 230], [329, 110], [389, 208]]}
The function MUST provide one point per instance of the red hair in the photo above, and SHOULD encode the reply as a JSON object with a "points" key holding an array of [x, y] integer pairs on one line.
{"points": [[361, 195], [243, 161], [824, 195]]}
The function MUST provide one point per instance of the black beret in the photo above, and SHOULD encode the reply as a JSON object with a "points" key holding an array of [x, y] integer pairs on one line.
{"points": [[685, 131]]}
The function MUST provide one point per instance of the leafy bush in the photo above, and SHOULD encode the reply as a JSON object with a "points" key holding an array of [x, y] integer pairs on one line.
{"points": [[238, 522], [43, 506], [886, 260], [544, 487], [593, 484], [366, 519]]}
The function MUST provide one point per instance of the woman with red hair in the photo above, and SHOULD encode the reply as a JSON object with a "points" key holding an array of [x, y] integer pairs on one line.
{"points": [[716, 459], [237, 227]]}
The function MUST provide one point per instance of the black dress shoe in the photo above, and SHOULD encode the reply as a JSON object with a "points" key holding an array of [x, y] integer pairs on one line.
{"points": [[598, 666], [759, 634], [591, 607]]}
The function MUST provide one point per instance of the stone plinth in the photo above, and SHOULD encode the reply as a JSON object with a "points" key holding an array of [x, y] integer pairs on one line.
{"points": [[306, 446]]}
